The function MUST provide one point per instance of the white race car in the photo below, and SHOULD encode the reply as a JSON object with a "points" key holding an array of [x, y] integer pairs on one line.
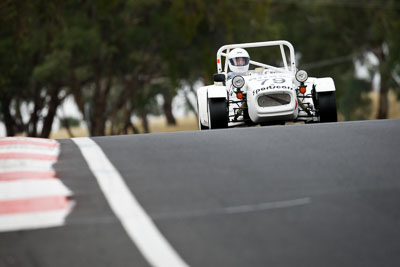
{"points": [[266, 95]]}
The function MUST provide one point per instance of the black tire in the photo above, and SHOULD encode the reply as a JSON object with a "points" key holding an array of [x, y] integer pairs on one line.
{"points": [[217, 113], [327, 106]]}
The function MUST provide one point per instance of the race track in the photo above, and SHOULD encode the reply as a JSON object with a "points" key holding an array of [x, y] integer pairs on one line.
{"points": [[296, 195]]}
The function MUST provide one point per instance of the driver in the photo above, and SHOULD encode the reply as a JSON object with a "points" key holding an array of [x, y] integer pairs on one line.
{"points": [[238, 60]]}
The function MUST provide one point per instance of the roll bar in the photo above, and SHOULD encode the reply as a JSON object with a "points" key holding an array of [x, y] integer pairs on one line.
{"points": [[281, 43]]}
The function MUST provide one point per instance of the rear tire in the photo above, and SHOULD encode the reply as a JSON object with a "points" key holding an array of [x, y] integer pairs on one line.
{"points": [[217, 113], [327, 106]]}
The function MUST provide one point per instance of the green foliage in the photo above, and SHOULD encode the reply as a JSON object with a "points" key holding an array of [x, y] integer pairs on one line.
{"points": [[331, 35], [53, 68], [354, 103], [70, 122]]}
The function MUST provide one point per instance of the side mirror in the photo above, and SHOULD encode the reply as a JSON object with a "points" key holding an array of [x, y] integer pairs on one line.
{"points": [[219, 78]]}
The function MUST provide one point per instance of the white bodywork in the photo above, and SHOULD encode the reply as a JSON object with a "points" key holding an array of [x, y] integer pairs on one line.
{"points": [[265, 82], [271, 83]]}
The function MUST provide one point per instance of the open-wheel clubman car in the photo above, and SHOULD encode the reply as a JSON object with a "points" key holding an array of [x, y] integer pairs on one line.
{"points": [[265, 95]]}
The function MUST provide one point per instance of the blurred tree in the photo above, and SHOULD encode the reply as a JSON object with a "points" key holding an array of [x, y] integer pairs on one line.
{"points": [[105, 52], [30, 91], [116, 56], [332, 35]]}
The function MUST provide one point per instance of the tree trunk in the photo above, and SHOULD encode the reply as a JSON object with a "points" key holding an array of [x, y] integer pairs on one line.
{"points": [[51, 113], [383, 107], [98, 119], [113, 130], [127, 122], [8, 120], [145, 122], [134, 128], [96, 105], [189, 104], [129, 125], [167, 107], [98, 112], [68, 128], [99, 116], [38, 106], [19, 124], [383, 104]]}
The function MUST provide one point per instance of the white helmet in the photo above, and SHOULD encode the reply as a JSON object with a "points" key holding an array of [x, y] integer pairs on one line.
{"points": [[238, 60]]}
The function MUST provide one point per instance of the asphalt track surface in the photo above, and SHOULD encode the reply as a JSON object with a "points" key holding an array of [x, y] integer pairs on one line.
{"points": [[298, 195]]}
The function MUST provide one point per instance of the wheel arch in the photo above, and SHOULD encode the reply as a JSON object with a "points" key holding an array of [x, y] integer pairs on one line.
{"points": [[324, 85]]}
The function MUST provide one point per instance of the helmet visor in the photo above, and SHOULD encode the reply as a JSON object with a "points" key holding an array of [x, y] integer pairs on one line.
{"points": [[239, 61]]}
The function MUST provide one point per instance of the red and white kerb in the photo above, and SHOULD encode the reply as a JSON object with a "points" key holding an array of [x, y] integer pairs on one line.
{"points": [[30, 194]]}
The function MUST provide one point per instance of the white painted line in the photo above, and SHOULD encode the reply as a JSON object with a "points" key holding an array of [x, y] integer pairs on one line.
{"points": [[29, 149], [139, 226], [24, 165], [11, 190], [235, 209], [34, 220], [9, 163], [268, 205], [30, 139]]}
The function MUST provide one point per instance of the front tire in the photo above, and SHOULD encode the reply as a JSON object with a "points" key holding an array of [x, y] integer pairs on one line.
{"points": [[327, 106], [217, 113]]}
